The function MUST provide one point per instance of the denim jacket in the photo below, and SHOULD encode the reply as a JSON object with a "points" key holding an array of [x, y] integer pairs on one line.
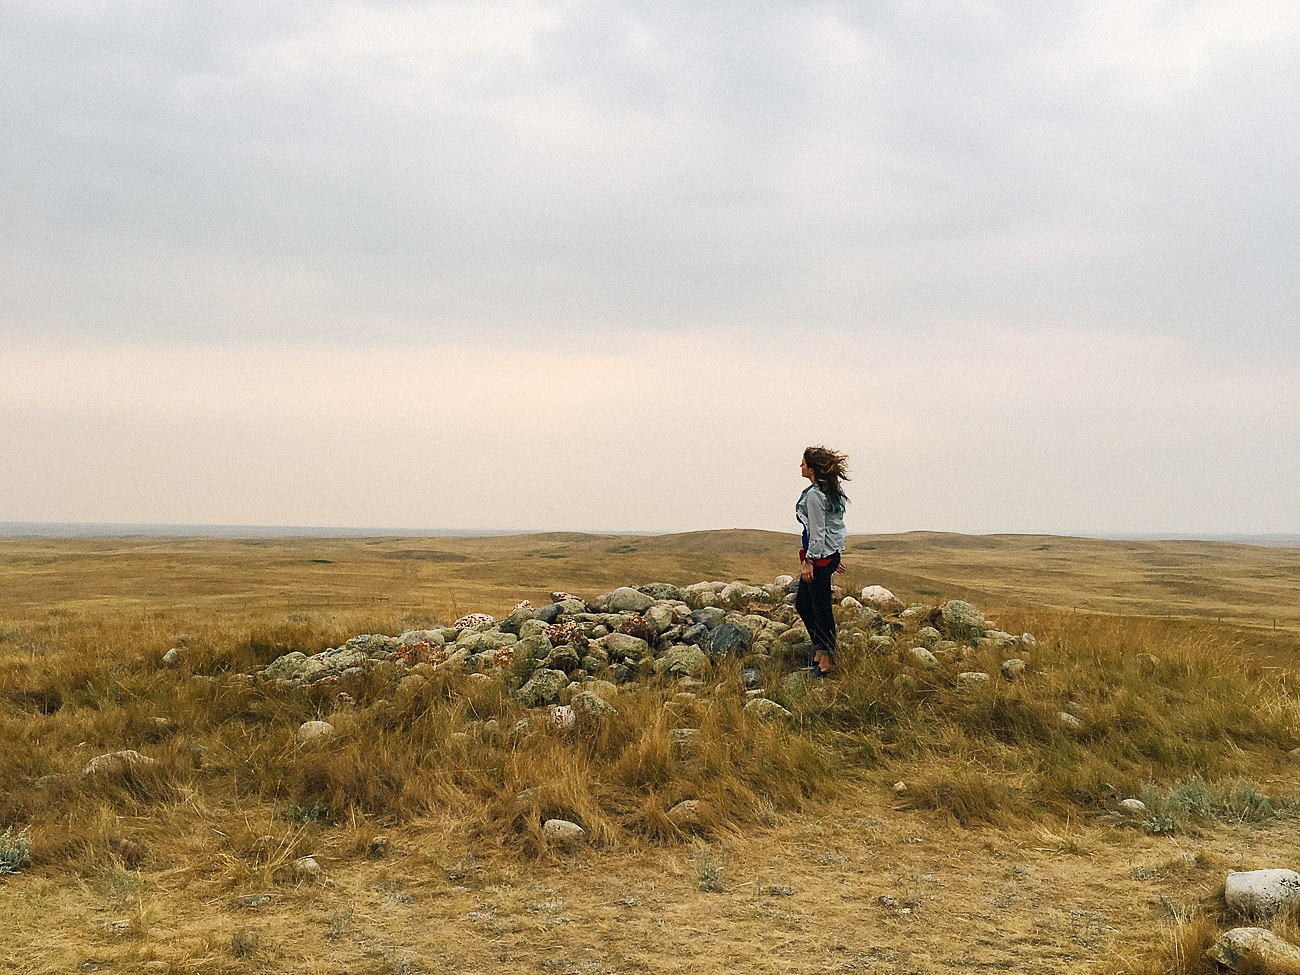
{"points": [[823, 523]]}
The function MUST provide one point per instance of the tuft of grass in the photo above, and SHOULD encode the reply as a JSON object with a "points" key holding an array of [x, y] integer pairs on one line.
{"points": [[711, 876], [1184, 941], [305, 814], [245, 942]]}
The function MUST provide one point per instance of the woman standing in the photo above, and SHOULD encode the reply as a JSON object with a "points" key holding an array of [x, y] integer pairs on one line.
{"points": [[820, 510]]}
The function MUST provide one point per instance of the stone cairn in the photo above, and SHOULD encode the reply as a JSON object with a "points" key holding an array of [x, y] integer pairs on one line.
{"points": [[580, 651]]}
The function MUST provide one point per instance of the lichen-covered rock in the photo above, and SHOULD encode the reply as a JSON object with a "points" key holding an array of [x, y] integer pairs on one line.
{"points": [[880, 643], [689, 815], [696, 634], [367, 645], [998, 640], [661, 590], [739, 594], [116, 763], [286, 665], [729, 638], [589, 705], [306, 868], [312, 731], [924, 657], [683, 661], [708, 616], [432, 638], [517, 617], [624, 647], [601, 688], [485, 641], [1013, 669], [1069, 721], [701, 598], [766, 709], [564, 657], [685, 739], [928, 636], [543, 688], [659, 616], [961, 620], [972, 678], [1255, 950], [624, 599]]}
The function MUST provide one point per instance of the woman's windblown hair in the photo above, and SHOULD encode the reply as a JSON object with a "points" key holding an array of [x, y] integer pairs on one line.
{"points": [[829, 467]]}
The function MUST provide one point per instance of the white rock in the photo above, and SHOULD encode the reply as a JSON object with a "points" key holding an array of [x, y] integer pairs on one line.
{"points": [[762, 707], [881, 599], [306, 867], [924, 657], [900, 786], [172, 657], [1069, 720], [562, 831], [601, 688], [117, 762], [563, 717], [1261, 893], [310, 731], [1133, 807], [1028, 641], [782, 581], [972, 678], [848, 602], [1013, 668], [689, 814]]}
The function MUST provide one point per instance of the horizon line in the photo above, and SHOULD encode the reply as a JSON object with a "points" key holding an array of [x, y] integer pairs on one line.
{"points": [[92, 529]]}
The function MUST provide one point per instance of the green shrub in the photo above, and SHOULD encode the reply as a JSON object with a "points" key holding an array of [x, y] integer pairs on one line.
{"points": [[15, 850]]}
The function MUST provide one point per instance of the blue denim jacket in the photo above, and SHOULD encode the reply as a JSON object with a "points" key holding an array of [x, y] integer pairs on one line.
{"points": [[823, 523]]}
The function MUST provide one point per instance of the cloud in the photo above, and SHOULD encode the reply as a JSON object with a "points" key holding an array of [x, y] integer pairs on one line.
{"points": [[408, 172]]}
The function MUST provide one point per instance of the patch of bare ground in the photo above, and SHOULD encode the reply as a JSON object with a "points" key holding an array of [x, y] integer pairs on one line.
{"points": [[858, 886]]}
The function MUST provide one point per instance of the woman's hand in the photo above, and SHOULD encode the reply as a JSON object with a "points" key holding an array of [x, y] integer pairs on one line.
{"points": [[805, 571]]}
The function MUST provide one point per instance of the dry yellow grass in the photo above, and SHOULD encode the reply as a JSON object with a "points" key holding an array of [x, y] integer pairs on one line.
{"points": [[999, 854]]}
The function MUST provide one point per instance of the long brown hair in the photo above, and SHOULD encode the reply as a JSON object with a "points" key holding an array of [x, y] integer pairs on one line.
{"points": [[829, 468]]}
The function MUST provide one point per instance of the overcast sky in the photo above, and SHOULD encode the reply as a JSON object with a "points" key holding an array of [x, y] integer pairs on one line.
{"points": [[1034, 265]]}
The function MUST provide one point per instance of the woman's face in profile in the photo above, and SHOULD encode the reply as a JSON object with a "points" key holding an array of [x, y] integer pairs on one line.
{"points": [[804, 469]]}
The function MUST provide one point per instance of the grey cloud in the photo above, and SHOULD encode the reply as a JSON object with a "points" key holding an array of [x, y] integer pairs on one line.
{"points": [[668, 165]]}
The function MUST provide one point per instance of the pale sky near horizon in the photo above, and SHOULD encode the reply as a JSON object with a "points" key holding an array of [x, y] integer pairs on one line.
{"points": [[1035, 266]]}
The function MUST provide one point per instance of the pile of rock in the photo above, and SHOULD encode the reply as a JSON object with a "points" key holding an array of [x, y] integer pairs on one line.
{"points": [[632, 634], [1258, 895]]}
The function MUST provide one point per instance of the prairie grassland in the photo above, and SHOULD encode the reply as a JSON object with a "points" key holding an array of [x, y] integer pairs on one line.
{"points": [[1003, 850]]}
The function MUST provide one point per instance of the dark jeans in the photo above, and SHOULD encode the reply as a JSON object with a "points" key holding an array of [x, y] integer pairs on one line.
{"points": [[816, 608]]}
